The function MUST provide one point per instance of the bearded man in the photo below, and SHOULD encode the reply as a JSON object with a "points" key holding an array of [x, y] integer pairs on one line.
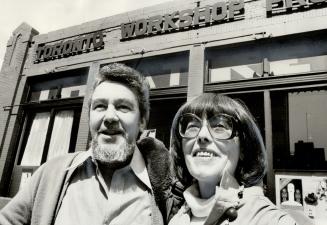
{"points": [[116, 181]]}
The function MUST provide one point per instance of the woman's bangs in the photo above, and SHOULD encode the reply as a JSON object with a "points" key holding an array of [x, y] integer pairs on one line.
{"points": [[201, 106]]}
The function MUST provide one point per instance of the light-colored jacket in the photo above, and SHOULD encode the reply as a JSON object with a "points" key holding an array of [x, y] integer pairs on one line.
{"points": [[255, 209]]}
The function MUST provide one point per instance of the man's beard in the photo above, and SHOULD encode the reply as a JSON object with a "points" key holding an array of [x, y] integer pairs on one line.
{"points": [[112, 156]]}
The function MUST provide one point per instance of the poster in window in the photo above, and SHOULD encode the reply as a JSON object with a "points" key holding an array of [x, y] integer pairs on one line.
{"points": [[303, 193]]}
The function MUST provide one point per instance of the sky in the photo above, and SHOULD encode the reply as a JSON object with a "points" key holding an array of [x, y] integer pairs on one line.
{"points": [[50, 15]]}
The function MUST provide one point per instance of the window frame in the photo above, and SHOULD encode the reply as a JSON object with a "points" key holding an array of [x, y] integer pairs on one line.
{"points": [[52, 106]]}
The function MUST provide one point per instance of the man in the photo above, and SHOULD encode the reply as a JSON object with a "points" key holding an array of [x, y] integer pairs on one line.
{"points": [[115, 181]]}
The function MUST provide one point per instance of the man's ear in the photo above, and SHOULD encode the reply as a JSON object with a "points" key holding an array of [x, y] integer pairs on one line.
{"points": [[142, 125]]}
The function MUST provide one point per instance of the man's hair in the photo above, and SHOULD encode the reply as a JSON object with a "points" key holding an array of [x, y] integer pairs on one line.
{"points": [[129, 77], [252, 163]]}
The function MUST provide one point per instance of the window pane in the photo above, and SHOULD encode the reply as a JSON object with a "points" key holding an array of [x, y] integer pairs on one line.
{"points": [[61, 85], [234, 63], [163, 71], [308, 126], [278, 57], [36, 139], [234, 73], [299, 129], [73, 91], [61, 133]]}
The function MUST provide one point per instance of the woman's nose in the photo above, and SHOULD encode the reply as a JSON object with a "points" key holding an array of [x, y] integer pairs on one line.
{"points": [[111, 114], [204, 135]]}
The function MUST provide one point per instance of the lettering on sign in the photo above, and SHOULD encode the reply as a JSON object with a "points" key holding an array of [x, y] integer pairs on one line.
{"points": [[184, 19], [86, 43], [275, 7]]}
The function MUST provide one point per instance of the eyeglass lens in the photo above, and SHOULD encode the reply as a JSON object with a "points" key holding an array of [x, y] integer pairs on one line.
{"points": [[220, 126]]}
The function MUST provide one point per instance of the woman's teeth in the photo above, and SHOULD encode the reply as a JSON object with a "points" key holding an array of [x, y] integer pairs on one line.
{"points": [[204, 154]]}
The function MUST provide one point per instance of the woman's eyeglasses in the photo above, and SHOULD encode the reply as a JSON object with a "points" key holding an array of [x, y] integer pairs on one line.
{"points": [[220, 126]]}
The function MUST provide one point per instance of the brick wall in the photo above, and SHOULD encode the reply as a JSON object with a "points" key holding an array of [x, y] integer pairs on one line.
{"points": [[11, 87], [83, 130]]}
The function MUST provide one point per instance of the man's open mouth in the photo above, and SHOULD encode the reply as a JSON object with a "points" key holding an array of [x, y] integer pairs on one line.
{"points": [[112, 132]]}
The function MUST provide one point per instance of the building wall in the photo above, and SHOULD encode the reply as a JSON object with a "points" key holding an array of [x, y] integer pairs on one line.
{"points": [[11, 89]]}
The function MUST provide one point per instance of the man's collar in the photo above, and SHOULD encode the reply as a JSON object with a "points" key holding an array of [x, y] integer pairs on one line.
{"points": [[80, 159], [137, 164]]}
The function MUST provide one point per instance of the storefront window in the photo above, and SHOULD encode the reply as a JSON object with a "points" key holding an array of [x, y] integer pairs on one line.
{"points": [[299, 129], [266, 58], [49, 124], [52, 112], [59, 141], [59, 137], [163, 71]]}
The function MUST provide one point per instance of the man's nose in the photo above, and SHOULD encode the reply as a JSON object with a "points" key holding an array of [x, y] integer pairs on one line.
{"points": [[111, 115], [204, 135]]}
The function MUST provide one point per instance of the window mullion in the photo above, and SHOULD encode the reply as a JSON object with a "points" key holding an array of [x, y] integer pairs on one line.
{"points": [[48, 137]]}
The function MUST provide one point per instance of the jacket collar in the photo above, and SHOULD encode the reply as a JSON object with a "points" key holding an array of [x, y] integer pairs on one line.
{"points": [[80, 159], [138, 166]]}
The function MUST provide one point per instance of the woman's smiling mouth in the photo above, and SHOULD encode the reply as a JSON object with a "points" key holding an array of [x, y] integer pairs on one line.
{"points": [[204, 153]]}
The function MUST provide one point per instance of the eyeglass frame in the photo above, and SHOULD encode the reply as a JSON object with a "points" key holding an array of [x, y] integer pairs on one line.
{"points": [[232, 118]]}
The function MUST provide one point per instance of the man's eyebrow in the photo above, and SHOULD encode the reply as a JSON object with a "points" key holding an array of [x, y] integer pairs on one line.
{"points": [[98, 100], [116, 101], [123, 100]]}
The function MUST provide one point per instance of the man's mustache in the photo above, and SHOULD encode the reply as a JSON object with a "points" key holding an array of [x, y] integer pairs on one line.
{"points": [[110, 129]]}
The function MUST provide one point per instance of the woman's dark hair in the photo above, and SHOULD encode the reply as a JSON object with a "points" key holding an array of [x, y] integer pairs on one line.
{"points": [[252, 163]]}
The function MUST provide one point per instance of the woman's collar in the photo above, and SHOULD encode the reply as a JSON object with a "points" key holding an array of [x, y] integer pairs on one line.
{"points": [[200, 207]]}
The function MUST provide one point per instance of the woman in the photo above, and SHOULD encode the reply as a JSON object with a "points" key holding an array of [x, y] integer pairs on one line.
{"points": [[219, 155]]}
